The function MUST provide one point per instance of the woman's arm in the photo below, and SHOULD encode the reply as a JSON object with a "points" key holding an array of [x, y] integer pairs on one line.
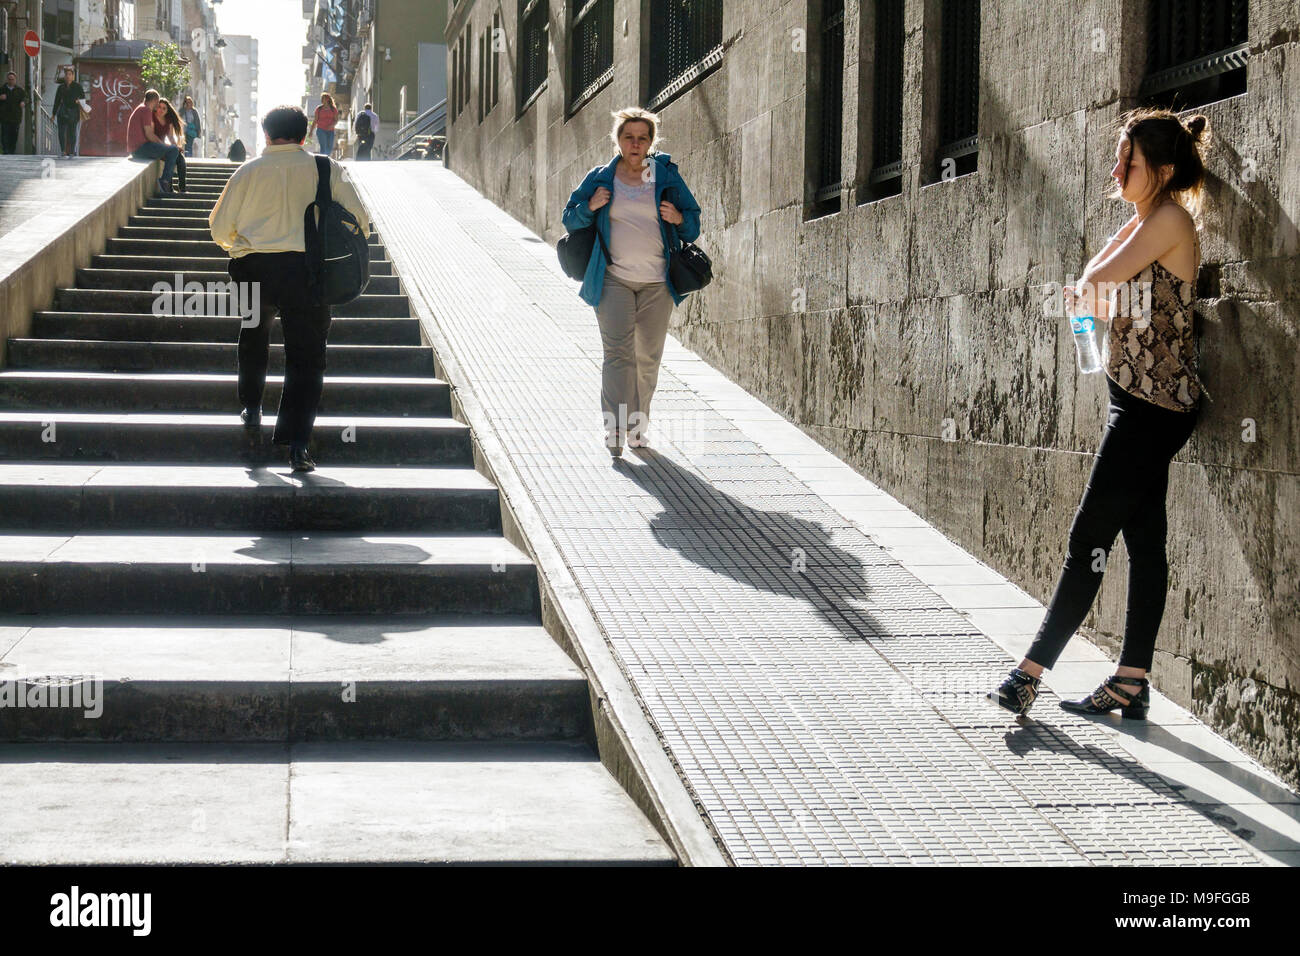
{"points": [[576, 214], [689, 230], [1148, 240]]}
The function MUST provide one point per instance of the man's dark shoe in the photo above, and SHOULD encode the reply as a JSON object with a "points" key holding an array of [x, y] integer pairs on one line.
{"points": [[164, 188], [299, 459], [251, 417]]}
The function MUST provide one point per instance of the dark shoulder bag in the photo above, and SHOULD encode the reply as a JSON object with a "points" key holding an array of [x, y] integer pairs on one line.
{"points": [[574, 250], [337, 252], [689, 267]]}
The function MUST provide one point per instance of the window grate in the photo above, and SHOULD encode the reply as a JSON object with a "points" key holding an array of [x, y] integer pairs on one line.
{"points": [[887, 106], [497, 42], [1196, 51], [687, 40], [831, 107], [534, 21], [959, 75], [592, 49]]}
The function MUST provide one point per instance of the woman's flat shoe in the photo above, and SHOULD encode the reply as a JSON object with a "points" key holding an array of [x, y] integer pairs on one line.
{"points": [[640, 441], [1017, 693], [1133, 704]]}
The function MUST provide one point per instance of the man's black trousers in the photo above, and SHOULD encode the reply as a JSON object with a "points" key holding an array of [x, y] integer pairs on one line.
{"points": [[9, 137], [283, 291]]}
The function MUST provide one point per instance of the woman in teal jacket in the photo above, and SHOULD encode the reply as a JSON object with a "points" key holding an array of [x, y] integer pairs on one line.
{"points": [[643, 211]]}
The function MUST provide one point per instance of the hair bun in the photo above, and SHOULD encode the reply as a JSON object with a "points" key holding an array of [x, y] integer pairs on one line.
{"points": [[1195, 127]]}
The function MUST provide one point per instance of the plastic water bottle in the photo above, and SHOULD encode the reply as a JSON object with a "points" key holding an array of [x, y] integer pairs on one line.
{"points": [[1085, 342]]}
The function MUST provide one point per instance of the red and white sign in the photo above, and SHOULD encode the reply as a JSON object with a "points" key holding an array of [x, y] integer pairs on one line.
{"points": [[31, 43]]}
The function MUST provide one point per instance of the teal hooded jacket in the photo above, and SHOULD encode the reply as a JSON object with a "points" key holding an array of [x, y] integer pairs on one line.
{"points": [[667, 180]]}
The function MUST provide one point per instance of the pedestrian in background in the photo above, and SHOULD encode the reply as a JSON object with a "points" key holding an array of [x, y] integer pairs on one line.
{"points": [[12, 98], [366, 126], [67, 110], [167, 126], [143, 141], [1154, 403], [642, 210], [190, 117], [324, 121], [259, 220]]}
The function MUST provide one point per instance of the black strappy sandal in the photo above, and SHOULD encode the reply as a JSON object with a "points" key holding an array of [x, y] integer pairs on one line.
{"points": [[1017, 693], [1101, 701]]}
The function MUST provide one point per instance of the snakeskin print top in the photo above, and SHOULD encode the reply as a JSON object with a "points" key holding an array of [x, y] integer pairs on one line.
{"points": [[1153, 355]]}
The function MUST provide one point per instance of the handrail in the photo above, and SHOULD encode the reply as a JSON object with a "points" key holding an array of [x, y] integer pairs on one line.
{"points": [[441, 104], [434, 123]]}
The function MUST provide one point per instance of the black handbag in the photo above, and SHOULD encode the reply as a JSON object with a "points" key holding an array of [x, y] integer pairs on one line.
{"points": [[574, 250], [689, 267]]}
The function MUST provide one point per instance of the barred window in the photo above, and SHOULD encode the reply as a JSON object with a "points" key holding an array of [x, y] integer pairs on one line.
{"points": [[495, 45], [534, 23], [1196, 51], [467, 63], [483, 41], [886, 175], [592, 49], [959, 85], [685, 41], [826, 102], [454, 110]]}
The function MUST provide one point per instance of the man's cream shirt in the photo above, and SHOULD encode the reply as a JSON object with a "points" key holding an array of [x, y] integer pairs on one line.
{"points": [[261, 209]]}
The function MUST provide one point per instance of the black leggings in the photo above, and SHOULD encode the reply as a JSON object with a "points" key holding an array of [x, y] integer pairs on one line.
{"points": [[1125, 493]]}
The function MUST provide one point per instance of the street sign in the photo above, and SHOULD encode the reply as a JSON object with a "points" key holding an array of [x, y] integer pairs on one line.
{"points": [[31, 43]]}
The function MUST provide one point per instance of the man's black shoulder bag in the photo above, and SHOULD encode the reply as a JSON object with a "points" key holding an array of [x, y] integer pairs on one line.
{"points": [[337, 252]]}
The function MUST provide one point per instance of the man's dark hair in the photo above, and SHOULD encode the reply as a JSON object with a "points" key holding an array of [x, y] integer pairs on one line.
{"points": [[367, 106], [286, 122], [151, 96]]}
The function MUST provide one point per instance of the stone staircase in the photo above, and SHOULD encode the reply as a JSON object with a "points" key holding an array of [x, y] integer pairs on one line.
{"points": [[342, 666]]}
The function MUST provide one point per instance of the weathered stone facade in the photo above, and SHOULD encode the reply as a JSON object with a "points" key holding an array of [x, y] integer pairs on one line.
{"points": [[923, 311]]}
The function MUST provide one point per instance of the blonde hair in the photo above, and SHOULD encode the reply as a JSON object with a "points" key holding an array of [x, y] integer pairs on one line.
{"points": [[635, 113]]}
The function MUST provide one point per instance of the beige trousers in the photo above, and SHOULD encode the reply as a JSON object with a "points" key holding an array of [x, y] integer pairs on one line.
{"points": [[633, 318]]}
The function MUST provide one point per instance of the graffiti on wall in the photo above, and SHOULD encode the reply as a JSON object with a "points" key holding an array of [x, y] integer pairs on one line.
{"points": [[114, 90]]}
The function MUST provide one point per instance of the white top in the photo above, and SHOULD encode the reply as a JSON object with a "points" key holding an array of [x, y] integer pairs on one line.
{"points": [[635, 243]]}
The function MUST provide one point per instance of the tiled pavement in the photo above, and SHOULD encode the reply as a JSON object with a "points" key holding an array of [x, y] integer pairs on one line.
{"points": [[813, 654]]}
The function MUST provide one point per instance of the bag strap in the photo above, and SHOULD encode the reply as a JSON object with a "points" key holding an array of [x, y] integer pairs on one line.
{"points": [[322, 182]]}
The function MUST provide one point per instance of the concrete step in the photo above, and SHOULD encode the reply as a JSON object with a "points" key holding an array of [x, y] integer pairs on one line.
{"points": [[134, 327], [189, 247], [221, 263], [158, 678], [145, 279], [42, 436], [265, 573], [206, 357], [178, 202], [67, 496], [218, 304], [206, 392], [326, 802], [197, 263]]}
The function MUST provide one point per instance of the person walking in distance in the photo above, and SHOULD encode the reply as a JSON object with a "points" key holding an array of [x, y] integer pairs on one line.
{"points": [[193, 127], [143, 141], [258, 219], [67, 110], [1154, 403], [324, 121], [12, 98], [641, 208], [366, 127]]}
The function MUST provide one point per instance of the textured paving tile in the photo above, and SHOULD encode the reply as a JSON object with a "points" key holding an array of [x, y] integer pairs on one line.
{"points": [[822, 701]]}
